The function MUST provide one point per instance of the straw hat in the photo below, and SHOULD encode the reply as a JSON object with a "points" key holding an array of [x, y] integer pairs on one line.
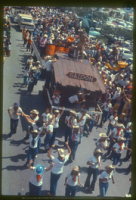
{"points": [[50, 117], [98, 151], [45, 35], [38, 61], [35, 131], [61, 152], [110, 167], [121, 139], [56, 111], [34, 111], [103, 135], [73, 112], [34, 68], [120, 125], [76, 168], [76, 126]]}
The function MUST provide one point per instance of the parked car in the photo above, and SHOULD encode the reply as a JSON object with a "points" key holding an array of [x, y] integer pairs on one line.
{"points": [[126, 54], [129, 61]]}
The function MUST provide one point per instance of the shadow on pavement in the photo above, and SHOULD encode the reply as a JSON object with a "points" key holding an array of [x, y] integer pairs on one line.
{"points": [[83, 169], [18, 142], [125, 171], [6, 136], [17, 157], [43, 193], [16, 27], [14, 168]]}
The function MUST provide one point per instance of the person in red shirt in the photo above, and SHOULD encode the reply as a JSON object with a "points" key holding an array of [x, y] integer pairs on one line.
{"points": [[29, 41]]}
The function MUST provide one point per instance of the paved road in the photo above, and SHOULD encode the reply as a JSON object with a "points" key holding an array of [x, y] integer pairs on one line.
{"points": [[15, 175]]}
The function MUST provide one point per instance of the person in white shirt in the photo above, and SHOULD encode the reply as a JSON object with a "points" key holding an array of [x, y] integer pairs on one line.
{"points": [[71, 101], [48, 71], [94, 165], [70, 121], [117, 132], [104, 179], [101, 143], [117, 150], [128, 132], [56, 98], [82, 117], [71, 182], [45, 115], [36, 180], [112, 122], [14, 113], [105, 113], [57, 169], [30, 59], [76, 131], [57, 116]]}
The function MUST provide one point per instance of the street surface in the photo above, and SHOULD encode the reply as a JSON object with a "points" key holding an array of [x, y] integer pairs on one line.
{"points": [[15, 175]]}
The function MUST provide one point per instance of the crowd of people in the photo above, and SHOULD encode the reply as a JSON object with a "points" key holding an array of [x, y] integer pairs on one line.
{"points": [[54, 27], [6, 33]]}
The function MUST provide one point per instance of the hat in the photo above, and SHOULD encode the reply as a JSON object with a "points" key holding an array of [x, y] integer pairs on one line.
{"points": [[76, 126], [34, 68], [80, 92], [45, 35], [56, 111], [103, 135], [35, 131], [73, 112], [110, 167], [16, 104], [50, 117], [38, 61], [118, 89], [120, 125], [98, 151], [61, 152], [76, 168], [121, 139], [39, 169], [34, 111]]}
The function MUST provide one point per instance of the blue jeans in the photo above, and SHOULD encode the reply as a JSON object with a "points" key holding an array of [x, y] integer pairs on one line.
{"points": [[127, 136], [13, 125], [91, 124], [30, 87], [47, 140], [68, 133], [34, 190], [103, 188], [81, 135], [71, 190], [116, 157], [55, 130], [105, 116], [31, 154], [91, 171], [74, 146], [25, 80], [110, 127], [53, 183]]}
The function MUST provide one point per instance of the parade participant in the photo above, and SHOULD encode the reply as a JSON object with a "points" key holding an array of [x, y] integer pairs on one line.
{"points": [[101, 143], [43, 42], [56, 98], [82, 40], [29, 41], [36, 181], [117, 132], [26, 34], [112, 122], [23, 32], [104, 179], [82, 117], [128, 132], [117, 150], [105, 113], [48, 71], [76, 131], [31, 80], [38, 71], [31, 61], [71, 182], [26, 74], [70, 103], [70, 121], [14, 113], [45, 115], [94, 165], [57, 116], [48, 133], [57, 169]]}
